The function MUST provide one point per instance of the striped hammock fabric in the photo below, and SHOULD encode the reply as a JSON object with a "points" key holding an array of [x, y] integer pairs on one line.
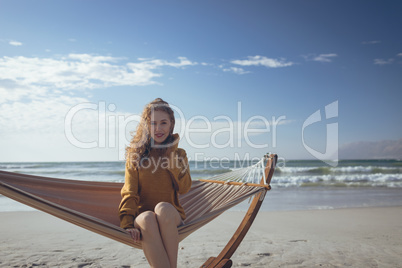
{"points": [[94, 205]]}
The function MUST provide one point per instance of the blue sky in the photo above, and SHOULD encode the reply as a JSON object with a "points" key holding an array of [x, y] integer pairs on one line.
{"points": [[267, 61]]}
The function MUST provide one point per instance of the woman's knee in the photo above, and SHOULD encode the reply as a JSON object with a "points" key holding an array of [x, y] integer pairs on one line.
{"points": [[166, 212], [146, 221], [164, 208]]}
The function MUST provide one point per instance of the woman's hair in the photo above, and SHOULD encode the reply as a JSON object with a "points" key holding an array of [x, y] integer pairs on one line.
{"points": [[141, 143]]}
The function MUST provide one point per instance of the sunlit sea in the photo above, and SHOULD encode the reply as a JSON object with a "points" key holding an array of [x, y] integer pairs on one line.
{"points": [[296, 185]]}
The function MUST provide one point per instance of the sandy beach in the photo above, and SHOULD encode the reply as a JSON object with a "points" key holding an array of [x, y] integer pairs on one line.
{"points": [[354, 237]]}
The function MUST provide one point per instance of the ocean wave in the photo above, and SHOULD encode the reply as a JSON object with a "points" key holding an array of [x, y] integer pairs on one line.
{"points": [[294, 174], [6, 166], [338, 170], [357, 180]]}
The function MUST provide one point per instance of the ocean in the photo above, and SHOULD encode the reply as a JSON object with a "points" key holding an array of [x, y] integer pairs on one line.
{"points": [[296, 185]]}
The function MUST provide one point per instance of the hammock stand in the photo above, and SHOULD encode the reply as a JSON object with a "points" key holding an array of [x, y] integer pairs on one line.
{"points": [[223, 259], [93, 205]]}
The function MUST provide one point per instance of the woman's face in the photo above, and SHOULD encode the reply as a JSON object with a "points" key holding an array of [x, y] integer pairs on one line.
{"points": [[160, 126]]}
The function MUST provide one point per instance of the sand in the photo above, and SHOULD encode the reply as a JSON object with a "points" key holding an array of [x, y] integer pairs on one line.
{"points": [[355, 237]]}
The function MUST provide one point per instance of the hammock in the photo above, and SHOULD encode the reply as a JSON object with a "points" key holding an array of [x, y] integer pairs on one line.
{"points": [[93, 205]]}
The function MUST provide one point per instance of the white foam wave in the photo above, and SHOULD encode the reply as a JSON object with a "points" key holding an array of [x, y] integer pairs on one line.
{"points": [[374, 180]]}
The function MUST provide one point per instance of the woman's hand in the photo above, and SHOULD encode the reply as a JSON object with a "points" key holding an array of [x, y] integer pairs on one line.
{"points": [[135, 234]]}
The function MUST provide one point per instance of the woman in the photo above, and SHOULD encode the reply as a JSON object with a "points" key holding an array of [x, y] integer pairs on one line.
{"points": [[156, 173]]}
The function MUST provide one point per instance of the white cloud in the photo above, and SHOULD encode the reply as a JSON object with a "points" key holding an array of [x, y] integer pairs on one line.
{"points": [[91, 58], [263, 61], [15, 43], [399, 54], [323, 57], [151, 64], [82, 71], [36, 93], [43, 115], [235, 70], [51, 129], [11, 92], [32, 80], [382, 61], [371, 42]]}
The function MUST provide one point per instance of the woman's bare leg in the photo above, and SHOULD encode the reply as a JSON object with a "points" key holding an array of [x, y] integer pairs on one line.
{"points": [[169, 218], [152, 243]]}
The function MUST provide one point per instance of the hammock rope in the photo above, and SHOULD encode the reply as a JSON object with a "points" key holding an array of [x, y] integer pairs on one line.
{"points": [[251, 174]]}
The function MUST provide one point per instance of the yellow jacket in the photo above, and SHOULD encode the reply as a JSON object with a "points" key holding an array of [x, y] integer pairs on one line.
{"points": [[159, 179]]}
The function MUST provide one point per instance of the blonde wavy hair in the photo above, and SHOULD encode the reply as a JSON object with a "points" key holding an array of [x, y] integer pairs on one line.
{"points": [[141, 143]]}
